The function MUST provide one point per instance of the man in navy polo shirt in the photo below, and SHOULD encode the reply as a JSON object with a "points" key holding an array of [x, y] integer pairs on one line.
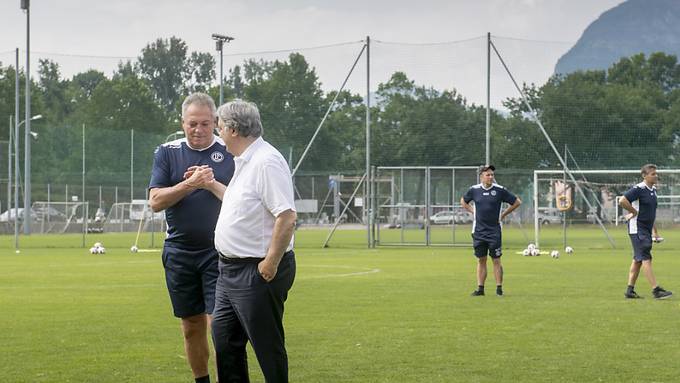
{"points": [[488, 197], [188, 180], [640, 202]]}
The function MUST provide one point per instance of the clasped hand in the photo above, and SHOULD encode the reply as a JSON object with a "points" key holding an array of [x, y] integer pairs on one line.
{"points": [[199, 176]]}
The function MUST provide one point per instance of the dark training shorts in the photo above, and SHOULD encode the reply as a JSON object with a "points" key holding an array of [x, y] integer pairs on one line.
{"points": [[191, 276], [490, 246], [642, 246]]}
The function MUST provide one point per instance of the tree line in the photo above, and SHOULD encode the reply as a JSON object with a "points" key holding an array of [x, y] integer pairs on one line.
{"points": [[621, 117]]}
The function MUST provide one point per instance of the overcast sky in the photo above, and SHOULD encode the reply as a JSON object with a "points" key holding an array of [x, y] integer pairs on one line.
{"points": [[121, 28]]}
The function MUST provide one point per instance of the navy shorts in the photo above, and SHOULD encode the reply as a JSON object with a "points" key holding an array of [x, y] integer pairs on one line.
{"points": [[642, 246], [484, 246], [191, 276]]}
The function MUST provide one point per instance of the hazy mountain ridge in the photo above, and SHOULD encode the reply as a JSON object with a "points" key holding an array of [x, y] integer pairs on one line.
{"points": [[632, 27]]}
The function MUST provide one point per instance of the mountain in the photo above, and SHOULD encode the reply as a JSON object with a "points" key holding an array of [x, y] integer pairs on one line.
{"points": [[631, 27]]}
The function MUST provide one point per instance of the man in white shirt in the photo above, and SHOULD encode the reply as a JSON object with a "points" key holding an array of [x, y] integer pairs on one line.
{"points": [[254, 236]]}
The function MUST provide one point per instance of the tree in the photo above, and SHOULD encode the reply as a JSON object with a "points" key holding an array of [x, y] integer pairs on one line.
{"points": [[171, 72], [290, 100]]}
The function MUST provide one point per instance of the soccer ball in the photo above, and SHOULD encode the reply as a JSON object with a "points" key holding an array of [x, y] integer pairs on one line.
{"points": [[97, 244], [531, 246], [569, 250], [94, 250], [101, 250], [555, 254], [535, 252], [526, 252], [134, 249]]}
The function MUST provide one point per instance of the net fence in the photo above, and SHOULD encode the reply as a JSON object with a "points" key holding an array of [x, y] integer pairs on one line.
{"points": [[427, 110]]}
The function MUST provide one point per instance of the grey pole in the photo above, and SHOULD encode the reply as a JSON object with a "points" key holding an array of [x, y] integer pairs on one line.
{"points": [[219, 45], [16, 152], [27, 144], [368, 202], [487, 159], [83, 188], [9, 170], [132, 162]]}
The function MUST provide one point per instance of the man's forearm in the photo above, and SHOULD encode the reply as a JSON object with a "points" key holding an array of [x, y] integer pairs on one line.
{"points": [[284, 227], [217, 188], [162, 198], [512, 208], [466, 206], [624, 203]]}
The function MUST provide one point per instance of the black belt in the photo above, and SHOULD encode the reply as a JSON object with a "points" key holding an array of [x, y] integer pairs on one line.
{"points": [[227, 259]]}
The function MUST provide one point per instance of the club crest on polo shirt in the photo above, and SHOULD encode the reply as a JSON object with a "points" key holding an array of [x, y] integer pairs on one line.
{"points": [[493, 192], [217, 157]]}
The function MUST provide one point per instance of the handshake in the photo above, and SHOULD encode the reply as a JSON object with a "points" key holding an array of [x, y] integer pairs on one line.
{"points": [[199, 176]]}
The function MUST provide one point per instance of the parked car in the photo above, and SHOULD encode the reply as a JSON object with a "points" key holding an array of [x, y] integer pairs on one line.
{"points": [[464, 216], [443, 218], [550, 217], [8, 215], [448, 217]]}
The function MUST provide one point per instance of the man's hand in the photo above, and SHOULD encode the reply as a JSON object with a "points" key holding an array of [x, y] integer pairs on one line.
{"points": [[199, 176], [267, 269], [630, 216]]}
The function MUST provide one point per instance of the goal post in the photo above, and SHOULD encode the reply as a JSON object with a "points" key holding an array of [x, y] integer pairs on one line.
{"points": [[602, 188]]}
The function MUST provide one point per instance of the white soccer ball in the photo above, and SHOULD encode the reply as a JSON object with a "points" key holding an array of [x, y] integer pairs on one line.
{"points": [[526, 252], [134, 249], [531, 246], [555, 254], [569, 250], [101, 250], [94, 250], [535, 252]]}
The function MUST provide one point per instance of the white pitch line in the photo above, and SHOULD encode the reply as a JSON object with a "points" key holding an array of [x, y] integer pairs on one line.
{"points": [[357, 273]]}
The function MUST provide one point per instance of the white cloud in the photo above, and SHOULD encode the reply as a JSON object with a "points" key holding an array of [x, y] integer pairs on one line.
{"points": [[124, 27]]}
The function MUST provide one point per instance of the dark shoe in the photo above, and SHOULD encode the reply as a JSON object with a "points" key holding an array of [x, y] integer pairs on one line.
{"points": [[499, 291], [477, 293], [660, 293], [632, 295]]}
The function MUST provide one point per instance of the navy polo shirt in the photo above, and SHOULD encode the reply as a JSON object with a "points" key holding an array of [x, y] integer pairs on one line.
{"points": [[488, 204], [643, 199], [191, 221]]}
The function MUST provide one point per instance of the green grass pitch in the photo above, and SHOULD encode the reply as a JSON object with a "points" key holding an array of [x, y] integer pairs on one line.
{"points": [[391, 314]]}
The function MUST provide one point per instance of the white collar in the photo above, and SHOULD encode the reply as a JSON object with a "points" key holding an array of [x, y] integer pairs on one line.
{"points": [[206, 148]]}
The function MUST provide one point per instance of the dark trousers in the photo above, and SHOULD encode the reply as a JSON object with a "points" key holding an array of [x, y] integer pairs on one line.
{"points": [[249, 309]]}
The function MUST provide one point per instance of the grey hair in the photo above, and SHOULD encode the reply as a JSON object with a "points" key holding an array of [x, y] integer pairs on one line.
{"points": [[242, 116], [647, 169], [199, 98]]}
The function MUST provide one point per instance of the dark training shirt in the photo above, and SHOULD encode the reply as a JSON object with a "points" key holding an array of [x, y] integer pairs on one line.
{"points": [[191, 221], [643, 199], [488, 207]]}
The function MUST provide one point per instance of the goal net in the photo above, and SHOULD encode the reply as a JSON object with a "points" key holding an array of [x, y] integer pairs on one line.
{"points": [[58, 217], [556, 201], [126, 217]]}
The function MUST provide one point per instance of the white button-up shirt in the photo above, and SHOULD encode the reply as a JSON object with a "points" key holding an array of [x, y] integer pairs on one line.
{"points": [[261, 189]]}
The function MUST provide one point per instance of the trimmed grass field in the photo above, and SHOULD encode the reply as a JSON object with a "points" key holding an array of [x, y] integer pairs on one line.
{"points": [[392, 314]]}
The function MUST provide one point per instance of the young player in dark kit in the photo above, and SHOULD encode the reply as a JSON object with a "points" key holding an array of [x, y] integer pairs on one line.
{"points": [[641, 201], [488, 198]]}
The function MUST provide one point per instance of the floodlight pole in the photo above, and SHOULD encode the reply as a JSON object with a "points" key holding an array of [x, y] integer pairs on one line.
{"points": [[16, 152], [487, 158], [132, 163], [219, 45], [25, 5], [85, 211], [369, 178], [9, 169]]}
